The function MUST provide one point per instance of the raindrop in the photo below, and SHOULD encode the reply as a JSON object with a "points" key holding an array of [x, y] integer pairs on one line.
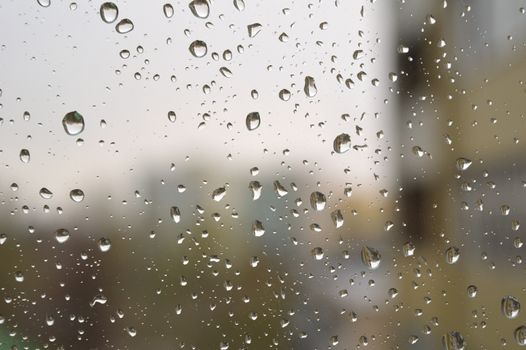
{"points": [[62, 235], [257, 229], [463, 164], [284, 95], [200, 8], [370, 257], [408, 249], [342, 143], [124, 26], [19, 276], [317, 253], [254, 29], [77, 195], [44, 3], [337, 218], [510, 307], [198, 48], [472, 291], [73, 123], [109, 12], [24, 156], [104, 244], [317, 201], [255, 189], [218, 194], [253, 120], [452, 255], [175, 214], [310, 87], [520, 335], [168, 10], [45, 193], [239, 5], [453, 341], [172, 116]]}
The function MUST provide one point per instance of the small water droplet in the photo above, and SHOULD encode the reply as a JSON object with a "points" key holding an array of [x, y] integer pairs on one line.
{"points": [[284, 95], [520, 335], [104, 244], [257, 229], [239, 5], [342, 143], [453, 341], [109, 12], [200, 8], [62, 235], [44, 3], [45, 193], [253, 120], [218, 194], [510, 306], [317, 201], [317, 253], [463, 164], [472, 291], [73, 123], [124, 26], [77, 195], [310, 87], [255, 188], [254, 29], [24, 155], [452, 255], [168, 10], [370, 257], [198, 48], [175, 214], [19, 276]]}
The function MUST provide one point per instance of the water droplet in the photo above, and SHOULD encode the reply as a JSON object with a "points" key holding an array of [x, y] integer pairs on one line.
{"points": [[132, 332], [392, 293], [337, 218], [172, 116], [168, 10], [370, 257], [24, 156], [310, 87], [510, 306], [239, 5], [254, 29], [280, 189], [253, 120], [19, 276], [472, 291], [73, 123], [77, 195], [198, 48], [520, 335], [408, 249], [453, 341], [109, 12], [257, 229], [317, 253], [104, 244], [317, 201], [98, 299], [463, 164], [284, 95], [62, 235], [175, 214], [45, 193], [200, 8], [218, 194], [44, 3], [452, 255], [342, 143], [255, 188], [124, 26]]}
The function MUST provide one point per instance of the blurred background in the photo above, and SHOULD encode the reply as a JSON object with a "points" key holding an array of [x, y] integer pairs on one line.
{"points": [[375, 201]]}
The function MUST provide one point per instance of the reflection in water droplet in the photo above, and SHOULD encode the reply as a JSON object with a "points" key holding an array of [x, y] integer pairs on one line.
{"points": [[453, 341], [124, 26], [73, 123], [520, 335], [254, 29], [252, 121], [342, 143], [200, 8], [24, 155], [370, 257], [317, 201], [310, 87], [44, 3], [510, 306], [104, 244], [62, 235], [45, 193], [77, 195], [257, 229], [109, 12], [452, 255], [168, 10], [198, 48]]}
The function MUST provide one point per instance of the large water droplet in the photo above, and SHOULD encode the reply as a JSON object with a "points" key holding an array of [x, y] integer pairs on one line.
{"points": [[337, 218], [124, 26], [257, 229], [370, 257], [284, 95], [104, 244], [463, 164], [510, 306], [472, 291], [62, 235], [452, 255], [239, 5], [73, 123], [317, 253], [44, 3], [76, 195], [254, 29], [255, 188], [24, 155], [310, 87], [45, 193], [109, 12], [317, 201], [198, 48], [253, 120], [175, 214], [342, 143], [200, 8], [218, 194], [168, 10], [520, 335], [453, 341]]}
